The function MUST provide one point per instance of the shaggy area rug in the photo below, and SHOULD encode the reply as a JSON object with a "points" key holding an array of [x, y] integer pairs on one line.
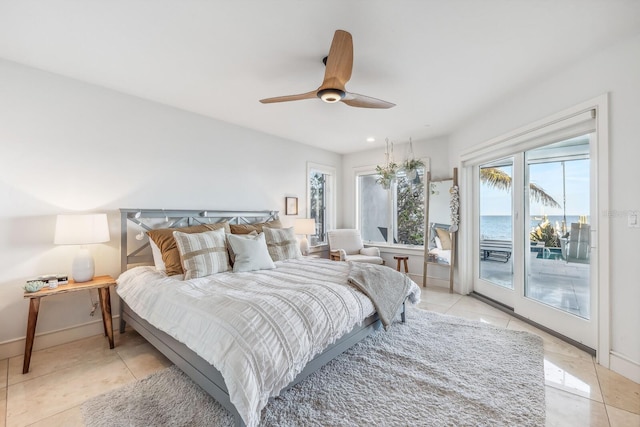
{"points": [[435, 370]]}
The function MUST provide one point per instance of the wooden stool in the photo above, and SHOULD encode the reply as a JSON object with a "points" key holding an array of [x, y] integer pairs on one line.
{"points": [[404, 258]]}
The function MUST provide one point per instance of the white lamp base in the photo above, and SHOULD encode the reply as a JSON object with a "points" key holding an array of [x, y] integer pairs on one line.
{"points": [[83, 267], [304, 245]]}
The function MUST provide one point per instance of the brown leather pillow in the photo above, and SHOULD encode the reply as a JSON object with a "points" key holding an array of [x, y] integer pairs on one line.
{"points": [[257, 227], [163, 238]]}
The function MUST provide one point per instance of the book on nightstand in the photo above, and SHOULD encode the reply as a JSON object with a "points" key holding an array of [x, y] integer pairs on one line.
{"points": [[60, 279]]}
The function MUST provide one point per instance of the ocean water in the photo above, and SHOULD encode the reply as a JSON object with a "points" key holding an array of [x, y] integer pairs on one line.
{"points": [[498, 227]]}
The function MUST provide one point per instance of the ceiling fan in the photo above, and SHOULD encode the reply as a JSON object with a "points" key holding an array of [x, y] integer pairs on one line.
{"points": [[339, 64]]}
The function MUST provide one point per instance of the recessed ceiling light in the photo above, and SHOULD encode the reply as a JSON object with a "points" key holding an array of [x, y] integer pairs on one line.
{"points": [[371, 139]]}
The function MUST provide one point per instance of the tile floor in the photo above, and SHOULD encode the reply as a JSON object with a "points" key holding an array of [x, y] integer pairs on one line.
{"points": [[578, 392]]}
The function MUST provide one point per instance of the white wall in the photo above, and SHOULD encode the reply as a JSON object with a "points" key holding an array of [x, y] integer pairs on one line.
{"points": [[68, 146], [615, 70]]}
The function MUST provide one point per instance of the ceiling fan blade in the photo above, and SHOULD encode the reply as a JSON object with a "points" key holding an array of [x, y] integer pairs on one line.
{"points": [[287, 98], [339, 61], [362, 101]]}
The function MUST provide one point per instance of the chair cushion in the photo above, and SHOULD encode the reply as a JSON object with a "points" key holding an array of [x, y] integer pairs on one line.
{"points": [[373, 251], [347, 239], [364, 258]]}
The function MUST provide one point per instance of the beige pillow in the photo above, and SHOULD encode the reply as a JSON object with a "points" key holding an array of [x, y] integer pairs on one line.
{"points": [[163, 238], [202, 254], [257, 227], [282, 243], [445, 238]]}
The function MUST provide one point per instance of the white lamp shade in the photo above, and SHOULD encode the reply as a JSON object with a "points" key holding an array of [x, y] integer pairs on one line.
{"points": [[81, 229], [305, 226]]}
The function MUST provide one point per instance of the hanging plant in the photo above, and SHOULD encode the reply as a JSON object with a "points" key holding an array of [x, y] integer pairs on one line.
{"points": [[411, 167], [387, 174], [389, 170]]}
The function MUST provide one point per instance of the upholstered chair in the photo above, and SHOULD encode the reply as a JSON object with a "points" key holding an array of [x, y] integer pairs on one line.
{"points": [[346, 245]]}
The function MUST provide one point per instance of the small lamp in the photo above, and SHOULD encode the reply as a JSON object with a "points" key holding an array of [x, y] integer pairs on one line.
{"points": [[304, 227], [82, 229]]}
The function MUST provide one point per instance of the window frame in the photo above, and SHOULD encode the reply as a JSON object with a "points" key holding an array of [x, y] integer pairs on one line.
{"points": [[391, 208], [330, 197]]}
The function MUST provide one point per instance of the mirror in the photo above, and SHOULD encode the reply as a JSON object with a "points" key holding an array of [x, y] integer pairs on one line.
{"points": [[440, 231], [439, 221]]}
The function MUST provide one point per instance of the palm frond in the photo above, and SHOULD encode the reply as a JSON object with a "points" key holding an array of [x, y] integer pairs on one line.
{"points": [[539, 195], [495, 177], [499, 179]]}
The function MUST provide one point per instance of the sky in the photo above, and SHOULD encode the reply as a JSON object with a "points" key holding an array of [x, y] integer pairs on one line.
{"points": [[548, 176]]}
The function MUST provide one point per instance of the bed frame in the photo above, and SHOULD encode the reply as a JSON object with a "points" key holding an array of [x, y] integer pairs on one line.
{"points": [[133, 223]]}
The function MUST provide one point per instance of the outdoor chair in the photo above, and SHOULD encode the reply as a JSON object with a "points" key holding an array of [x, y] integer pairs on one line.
{"points": [[578, 246], [346, 245]]}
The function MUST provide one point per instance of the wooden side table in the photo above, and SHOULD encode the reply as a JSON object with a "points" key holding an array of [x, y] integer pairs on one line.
{"points": [[101, 283], [399, 258]]}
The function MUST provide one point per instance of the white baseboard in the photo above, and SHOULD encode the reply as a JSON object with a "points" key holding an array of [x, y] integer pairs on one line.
{"points": [[624, 366], [50, 339]]}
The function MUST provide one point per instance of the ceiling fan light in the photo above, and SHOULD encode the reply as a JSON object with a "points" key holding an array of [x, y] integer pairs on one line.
{"points": [[331, 95]]}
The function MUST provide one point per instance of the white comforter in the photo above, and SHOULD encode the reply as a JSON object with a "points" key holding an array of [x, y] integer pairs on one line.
{"points": [[259, 329]]}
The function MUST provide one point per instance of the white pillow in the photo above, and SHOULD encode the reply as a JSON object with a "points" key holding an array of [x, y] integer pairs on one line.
{"points": [[251, 253], [282, 243], [202, 254], [232, 254], [157, 256], [438, 243]]}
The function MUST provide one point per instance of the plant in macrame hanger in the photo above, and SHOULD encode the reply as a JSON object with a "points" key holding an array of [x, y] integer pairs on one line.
{"points": [[387, 173], [411, 165]]}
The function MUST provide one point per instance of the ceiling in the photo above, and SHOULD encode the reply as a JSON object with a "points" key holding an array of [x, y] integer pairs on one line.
{"points": [[441, 61]]}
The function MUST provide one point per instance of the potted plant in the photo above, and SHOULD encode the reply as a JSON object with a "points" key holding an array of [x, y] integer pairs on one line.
{"points": [[387, 174], [411, 166]]}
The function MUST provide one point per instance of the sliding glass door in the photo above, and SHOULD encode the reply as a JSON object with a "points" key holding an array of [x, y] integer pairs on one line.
{"points": [[533, 240]]}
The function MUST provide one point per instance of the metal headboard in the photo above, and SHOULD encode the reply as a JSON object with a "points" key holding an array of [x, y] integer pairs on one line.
{"points": [[148, 219]]}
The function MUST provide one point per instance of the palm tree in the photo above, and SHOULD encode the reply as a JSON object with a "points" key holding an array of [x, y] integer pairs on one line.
{"points": [[497, 178]]}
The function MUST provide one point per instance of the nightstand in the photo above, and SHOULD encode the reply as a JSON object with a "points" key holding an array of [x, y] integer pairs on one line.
{"points": [[101, 283]]}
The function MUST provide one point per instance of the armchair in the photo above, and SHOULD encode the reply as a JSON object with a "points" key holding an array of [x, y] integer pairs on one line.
{"points": [[346, 245]]}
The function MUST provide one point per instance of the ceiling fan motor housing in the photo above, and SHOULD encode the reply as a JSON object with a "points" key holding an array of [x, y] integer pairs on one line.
{"points": [[331, 95]]}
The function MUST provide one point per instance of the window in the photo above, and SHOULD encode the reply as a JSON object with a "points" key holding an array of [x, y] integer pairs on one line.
{"points": [[321, 201], [399, 209]]}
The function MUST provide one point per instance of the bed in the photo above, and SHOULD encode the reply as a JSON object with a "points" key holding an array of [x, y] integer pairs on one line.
{"points": [[157, 305]]}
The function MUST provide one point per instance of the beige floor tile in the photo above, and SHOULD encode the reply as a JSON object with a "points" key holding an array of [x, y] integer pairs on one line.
{"points": [[143, 360], [551, 343], [433, 307], [3, 406], [47, 395], [568, 410], [129, 339], [56, 358], [622, 418], [440, 296], [476, 306], [572, 374], [619, 391], [490, 319], [4, 366], [68, 418]]}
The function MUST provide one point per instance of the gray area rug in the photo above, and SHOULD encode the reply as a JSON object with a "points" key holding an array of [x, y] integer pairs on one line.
{"points": [[435, 370]]}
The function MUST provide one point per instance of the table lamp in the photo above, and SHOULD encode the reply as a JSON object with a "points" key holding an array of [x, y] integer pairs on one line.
{"points": [[304, 227], [82, 229]]}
